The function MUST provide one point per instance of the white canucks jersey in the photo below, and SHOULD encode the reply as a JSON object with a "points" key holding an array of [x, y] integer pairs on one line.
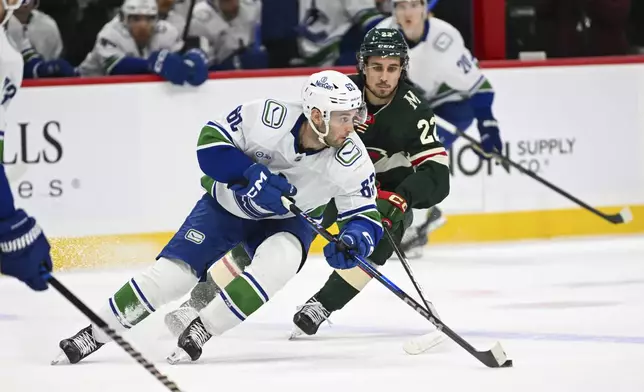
{"points": [[441, 65], [225, 37], [114, 42], [177, 20], [11, 65], [42, 33], [323, 23], [267, 131]]}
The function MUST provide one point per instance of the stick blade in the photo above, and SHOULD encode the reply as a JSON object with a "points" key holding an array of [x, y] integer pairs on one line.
{"points": [[495, 357], [421, 344], [624, 216]]}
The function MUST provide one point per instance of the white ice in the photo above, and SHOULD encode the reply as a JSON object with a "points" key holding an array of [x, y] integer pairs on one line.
{"points": [[570, 313]]}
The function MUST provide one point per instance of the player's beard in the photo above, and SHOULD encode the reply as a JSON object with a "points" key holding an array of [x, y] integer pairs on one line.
{"points": [[381, 93]]}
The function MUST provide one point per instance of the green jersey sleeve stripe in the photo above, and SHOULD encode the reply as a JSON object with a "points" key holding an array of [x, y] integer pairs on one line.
{"points": [[211, 136]]}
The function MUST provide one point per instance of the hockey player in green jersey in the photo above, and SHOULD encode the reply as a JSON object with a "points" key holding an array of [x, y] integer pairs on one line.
{"points": [[411, 164], [411, 167]]}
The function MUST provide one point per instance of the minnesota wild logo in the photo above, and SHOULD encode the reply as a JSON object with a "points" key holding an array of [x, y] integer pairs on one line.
{"points": [[376, 154]]}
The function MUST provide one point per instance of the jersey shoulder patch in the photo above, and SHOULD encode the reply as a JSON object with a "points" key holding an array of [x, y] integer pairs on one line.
{"points": [[443, 42], [274, 114], [349, 153]]}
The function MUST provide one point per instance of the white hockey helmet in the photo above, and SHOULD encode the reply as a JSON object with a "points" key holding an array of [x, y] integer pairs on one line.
{"points": [[139, 7], [331, 91], [9, 6]]}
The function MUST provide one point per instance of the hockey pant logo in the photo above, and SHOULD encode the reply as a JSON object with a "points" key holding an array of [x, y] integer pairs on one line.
{"points": [[195, 236]]}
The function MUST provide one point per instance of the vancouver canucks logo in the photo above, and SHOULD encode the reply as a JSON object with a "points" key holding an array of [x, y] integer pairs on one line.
{"points": [[349, 153]]}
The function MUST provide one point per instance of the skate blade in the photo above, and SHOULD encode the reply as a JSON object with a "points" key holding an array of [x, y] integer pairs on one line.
{"points": [[423, 343], [295, 333], [178, 356], [61, 359]]}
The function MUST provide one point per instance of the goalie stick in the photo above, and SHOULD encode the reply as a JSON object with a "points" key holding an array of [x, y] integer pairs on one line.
{"points": [[422, 343], [624, 216], [494, 358], [169, 384]]}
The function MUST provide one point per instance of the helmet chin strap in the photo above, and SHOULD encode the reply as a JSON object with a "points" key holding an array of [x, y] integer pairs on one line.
{"points": [[321, 135], [7, 16]]}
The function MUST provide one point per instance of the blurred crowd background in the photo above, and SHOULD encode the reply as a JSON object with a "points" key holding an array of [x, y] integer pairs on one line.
{"points": [[252, 34]]}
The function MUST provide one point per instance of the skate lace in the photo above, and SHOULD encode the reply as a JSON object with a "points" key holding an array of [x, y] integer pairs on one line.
{"points": [[199, 334], [316, 312], [85, 342]]}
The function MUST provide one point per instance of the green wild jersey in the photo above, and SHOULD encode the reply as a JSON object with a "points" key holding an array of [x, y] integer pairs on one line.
{"points": [[402, 143]]}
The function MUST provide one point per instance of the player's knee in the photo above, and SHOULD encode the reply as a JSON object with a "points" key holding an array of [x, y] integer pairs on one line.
{"points": [[165, 281], [276, 261]]}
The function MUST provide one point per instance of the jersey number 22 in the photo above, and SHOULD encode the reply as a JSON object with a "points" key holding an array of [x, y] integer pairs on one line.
{"points": [[428, 129]]}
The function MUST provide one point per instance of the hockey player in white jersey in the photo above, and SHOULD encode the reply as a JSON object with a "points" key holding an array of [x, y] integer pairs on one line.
{"points": [[170, 15], [24, 250], [323, 24], [252, 155], [39, 28], [451, 80], [228, 26], [37, 37], [136, 42]]}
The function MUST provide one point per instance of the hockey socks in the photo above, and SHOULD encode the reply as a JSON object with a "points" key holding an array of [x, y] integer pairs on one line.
{"points": [[341, 287]]}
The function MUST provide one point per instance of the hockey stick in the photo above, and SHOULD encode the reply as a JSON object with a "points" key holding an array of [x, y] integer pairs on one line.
{"points": [[493, 358], [624, 216], [422, 343], [111, 333], [186, 28]]}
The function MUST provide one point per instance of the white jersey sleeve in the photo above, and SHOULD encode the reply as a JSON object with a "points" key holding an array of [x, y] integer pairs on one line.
{"points": [[41, 32], [11, 64], [360, 10], [166, 36], [177, 20], [322, 24], [459, 68]]}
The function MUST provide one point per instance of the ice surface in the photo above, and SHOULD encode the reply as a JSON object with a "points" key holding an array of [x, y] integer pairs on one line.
{"points": [[570, 313]]}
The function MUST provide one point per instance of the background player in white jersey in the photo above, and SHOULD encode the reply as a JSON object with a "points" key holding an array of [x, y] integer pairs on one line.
{"points": [[452, 82], [252, 156], [39, 28], [323, 24], [228, 25], [170, 15], [136, 42], [38, 38], [24, 250]]}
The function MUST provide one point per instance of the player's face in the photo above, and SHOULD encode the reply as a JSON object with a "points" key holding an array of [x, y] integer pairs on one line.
{"points": [[141, 28], [382, 75], [409, 15], [341, 125]]}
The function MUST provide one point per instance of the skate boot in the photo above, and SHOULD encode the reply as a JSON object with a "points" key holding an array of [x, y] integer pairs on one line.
{"points": [[77, 347], [415, 238], [309, 317], [190, 343], [178, 320]]}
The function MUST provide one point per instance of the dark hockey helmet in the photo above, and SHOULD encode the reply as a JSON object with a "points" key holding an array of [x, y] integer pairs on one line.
{"points": [[383, 42]]}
